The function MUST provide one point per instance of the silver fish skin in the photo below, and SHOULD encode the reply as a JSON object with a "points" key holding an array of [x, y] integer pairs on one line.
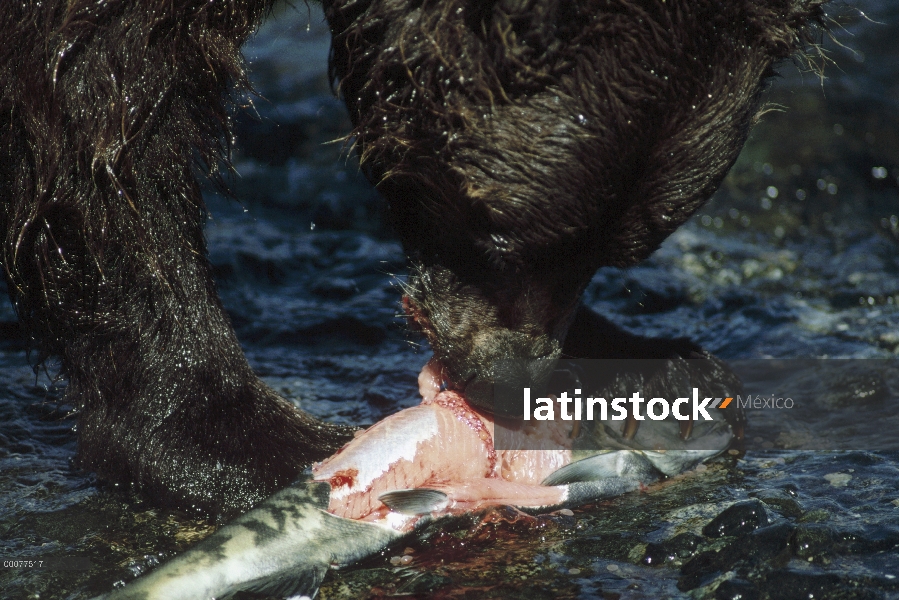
{"points": [[284, 547], [281, 548]]}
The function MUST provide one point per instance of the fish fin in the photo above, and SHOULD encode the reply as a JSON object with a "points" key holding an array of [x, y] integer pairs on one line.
{"points": [[303, 582], [621, 463], [418, 501], [673, 462]]}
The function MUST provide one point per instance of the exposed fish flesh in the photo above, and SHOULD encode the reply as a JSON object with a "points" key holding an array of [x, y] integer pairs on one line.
{"points": [[425, 462], [445, 445]]}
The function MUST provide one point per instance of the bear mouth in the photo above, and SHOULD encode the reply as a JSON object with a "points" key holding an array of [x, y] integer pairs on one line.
{"points": [[432, 379], [439, 375]]}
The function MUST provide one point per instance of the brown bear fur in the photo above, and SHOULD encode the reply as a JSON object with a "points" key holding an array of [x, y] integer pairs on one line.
{"points": [[520, 144]]}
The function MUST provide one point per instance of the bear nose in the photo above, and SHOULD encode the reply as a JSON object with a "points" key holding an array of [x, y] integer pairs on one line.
{"points": [[498, 389], [479, 392]]}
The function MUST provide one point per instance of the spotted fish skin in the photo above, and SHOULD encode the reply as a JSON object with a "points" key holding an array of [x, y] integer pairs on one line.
{"points": [[423, 463], [282, 548]]}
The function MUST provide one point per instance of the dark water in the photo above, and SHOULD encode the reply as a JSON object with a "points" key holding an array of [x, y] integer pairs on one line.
{"points": [[797, 256]]}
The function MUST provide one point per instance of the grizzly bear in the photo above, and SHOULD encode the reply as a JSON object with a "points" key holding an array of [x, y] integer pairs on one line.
{"points": [[519, 144]]}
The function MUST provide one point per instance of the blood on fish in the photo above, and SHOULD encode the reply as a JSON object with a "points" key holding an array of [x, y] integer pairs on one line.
{"points": [[442, 444], [467, 414], [347, 477]]}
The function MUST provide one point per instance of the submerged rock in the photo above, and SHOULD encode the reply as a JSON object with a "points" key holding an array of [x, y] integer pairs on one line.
{"points": [[740, 518]]}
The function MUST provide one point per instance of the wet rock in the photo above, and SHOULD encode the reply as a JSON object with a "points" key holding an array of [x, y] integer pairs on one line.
{"points": [[769, 543], [766, 545], [812, 541], [882, 538], [790, 489], [815, 516], [424, 583], [702, 568], [681, 546], [609, 546], [790, 585], [862, 459], [850, 385], [735, 589], [781, 500], [738, 519], [656, 554]]}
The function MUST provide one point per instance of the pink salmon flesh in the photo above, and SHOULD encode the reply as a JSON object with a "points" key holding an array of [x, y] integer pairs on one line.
{"points": [[422, 463]]}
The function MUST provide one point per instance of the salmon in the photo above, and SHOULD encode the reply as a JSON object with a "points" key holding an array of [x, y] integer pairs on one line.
{"points": [[423, 463], [446, 445]]}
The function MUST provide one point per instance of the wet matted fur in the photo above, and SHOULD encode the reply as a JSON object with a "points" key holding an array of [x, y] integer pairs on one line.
{"points": [[523, 144], [520, 144]]}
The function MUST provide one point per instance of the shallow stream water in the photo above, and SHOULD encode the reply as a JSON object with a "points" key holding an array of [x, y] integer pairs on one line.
{"points": [[796, 256]]}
